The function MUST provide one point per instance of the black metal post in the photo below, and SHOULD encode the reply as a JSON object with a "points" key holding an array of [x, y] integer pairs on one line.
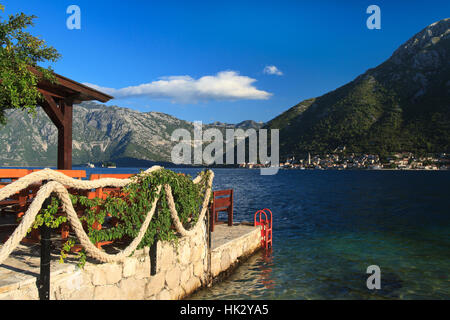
{"points": [[153, 254], [44, 278], [208, 229]]}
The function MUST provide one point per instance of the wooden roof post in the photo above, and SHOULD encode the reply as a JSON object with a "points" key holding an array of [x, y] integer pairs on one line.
{"points": [[65, 137], [59, 97]]}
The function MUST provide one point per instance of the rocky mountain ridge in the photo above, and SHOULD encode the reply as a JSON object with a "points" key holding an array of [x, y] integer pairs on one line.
{"points": [[100, 133]]}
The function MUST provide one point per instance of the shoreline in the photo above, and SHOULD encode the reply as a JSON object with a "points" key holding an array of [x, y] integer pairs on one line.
{"points": [[207, 167]]}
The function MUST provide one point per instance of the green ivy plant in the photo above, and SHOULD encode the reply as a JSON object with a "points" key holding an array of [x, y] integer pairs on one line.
{"points": [[122, 213], [49, 216]]}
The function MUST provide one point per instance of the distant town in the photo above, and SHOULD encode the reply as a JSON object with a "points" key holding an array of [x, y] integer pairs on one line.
{"points": [[342, 161]]}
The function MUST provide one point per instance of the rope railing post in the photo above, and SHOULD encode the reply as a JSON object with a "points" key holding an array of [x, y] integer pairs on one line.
{"points": [[44, 277], [208, 235], [153, 250], [153, 256], [208, 229]]}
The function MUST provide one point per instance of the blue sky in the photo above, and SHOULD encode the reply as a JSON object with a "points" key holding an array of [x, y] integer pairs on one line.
{"points": [[205, 60]]}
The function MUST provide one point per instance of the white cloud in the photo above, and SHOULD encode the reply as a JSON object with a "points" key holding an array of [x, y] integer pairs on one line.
{"points": [[272, 70], [225, 85]]}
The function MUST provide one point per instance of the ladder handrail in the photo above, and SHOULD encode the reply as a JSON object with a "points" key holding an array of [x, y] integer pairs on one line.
{"points": [[266, 227], [260, 220], [270, 211]]}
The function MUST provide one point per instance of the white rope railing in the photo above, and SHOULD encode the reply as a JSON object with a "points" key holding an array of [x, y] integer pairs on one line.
{"points": [[58, 183]]}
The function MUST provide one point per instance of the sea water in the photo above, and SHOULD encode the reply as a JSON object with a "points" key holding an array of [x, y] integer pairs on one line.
{"points": [[329, 226]]}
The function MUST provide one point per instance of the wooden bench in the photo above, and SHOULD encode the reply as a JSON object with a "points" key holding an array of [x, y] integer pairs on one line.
{"points": [[18, 201], [77, 174], [25, 197], [222, 202], [103, 193]]}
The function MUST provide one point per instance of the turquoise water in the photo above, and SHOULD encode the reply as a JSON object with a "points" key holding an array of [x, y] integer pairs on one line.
{"points": [[329, 226]]}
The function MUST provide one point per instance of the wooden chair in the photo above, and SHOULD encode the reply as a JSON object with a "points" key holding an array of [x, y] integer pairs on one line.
{"points": [[16, 204], [103, 193], [76, 174], [18, 201], [222, 202]]}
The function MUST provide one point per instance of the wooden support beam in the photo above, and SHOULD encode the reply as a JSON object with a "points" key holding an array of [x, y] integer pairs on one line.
{"points": [[62, 118], [64, 92], [51, 109], [65, 137]]}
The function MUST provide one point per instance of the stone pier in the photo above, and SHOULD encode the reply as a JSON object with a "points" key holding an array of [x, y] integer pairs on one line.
{"points": [[181, 269]]}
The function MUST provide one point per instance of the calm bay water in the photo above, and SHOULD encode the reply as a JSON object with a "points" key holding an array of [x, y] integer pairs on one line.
{"points": [[329, 226]]}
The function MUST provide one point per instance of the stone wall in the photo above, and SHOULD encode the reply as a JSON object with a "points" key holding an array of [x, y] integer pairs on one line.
{"points": [[181, 269]]}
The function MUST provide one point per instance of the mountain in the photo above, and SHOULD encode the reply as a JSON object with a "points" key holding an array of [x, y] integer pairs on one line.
{"points": [[100, 133], [401, 105]]}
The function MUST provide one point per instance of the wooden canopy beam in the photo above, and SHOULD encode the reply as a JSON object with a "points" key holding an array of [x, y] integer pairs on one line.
{"points": [[58, 101], [51, 109]]}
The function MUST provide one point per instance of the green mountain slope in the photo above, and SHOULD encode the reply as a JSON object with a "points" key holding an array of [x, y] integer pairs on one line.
{"points": [[401, 105]]}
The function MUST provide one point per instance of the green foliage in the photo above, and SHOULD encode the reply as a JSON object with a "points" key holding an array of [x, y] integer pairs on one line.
{"points": [[402, 105], [19, 50], [49, 216], [65, 250], [292, 114], [393, 166], [67, 246], [122, 214], [368, 115]]}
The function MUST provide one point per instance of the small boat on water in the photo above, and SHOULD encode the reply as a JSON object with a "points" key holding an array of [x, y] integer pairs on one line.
{"points": [[109, 165]]}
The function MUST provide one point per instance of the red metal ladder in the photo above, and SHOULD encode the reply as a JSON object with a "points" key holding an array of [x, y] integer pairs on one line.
{"points": [[266, 227]]}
